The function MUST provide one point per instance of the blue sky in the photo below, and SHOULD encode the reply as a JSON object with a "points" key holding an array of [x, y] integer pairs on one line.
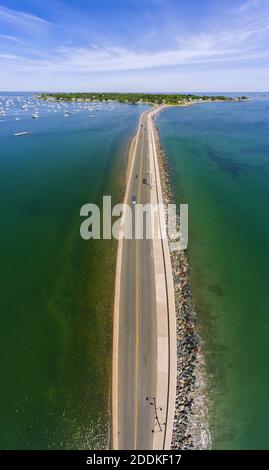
{"points": [[134, 45]]}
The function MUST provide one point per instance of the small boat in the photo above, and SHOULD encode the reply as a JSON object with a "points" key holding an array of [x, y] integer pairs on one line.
{"points": [[35, 116], [18, 134]]}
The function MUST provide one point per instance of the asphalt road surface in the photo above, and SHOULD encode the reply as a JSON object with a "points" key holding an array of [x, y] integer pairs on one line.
{"points": [[137, 354]]}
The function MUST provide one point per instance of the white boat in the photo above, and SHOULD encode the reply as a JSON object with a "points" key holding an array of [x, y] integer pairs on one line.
{"points": [[18, 134], [35, 116]]}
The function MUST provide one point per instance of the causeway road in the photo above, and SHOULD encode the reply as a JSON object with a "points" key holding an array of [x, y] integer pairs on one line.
{"points": [[143, 382]]}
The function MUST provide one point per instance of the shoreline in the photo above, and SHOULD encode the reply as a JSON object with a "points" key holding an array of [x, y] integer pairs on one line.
{"points": [[111, 392], [191, 420]]}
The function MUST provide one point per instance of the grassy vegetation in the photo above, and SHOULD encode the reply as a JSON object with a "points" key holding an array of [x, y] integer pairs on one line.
{"points": [[133, 98]]}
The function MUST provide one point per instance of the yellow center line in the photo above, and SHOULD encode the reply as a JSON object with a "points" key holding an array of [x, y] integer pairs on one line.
{"points": [[136, 352], [137, 313]]}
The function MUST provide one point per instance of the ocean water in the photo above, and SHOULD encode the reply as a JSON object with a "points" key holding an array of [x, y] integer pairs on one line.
{"points": [[57, 289], [219, 156]]}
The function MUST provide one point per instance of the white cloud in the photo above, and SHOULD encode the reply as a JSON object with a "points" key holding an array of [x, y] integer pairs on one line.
{"points": [[242, 41], [243, 38], [249, 4], [230, 45], [9, 57], [12, 38], [20, 18]]}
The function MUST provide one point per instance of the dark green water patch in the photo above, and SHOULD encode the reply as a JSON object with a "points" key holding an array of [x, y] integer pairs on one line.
{"points": [[57, 289], [227, 164], [228, 195]]}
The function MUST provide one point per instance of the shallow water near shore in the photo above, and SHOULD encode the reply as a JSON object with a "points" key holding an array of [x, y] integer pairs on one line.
{"points": [[219, 156], [57, 289]]}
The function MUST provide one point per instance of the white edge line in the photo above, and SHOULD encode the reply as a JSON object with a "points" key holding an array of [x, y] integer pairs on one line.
{"points": [[115, 346]]}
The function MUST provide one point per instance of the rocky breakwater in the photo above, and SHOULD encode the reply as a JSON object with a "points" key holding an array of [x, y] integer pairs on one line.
{"points": [[191, 429]]}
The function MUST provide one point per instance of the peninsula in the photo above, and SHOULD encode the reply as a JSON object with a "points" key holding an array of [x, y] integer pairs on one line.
{"points": [[138, 98]]}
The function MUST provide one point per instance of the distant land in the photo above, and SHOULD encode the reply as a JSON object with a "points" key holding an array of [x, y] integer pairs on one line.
{"points": [[136, 98]]}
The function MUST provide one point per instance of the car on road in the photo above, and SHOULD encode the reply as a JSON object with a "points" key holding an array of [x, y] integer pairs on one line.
{"points": [[144, 180], [133, 200]]}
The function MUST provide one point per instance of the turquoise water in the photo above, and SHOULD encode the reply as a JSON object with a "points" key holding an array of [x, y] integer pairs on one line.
{"points": [[219, 155], [56, 289]]}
